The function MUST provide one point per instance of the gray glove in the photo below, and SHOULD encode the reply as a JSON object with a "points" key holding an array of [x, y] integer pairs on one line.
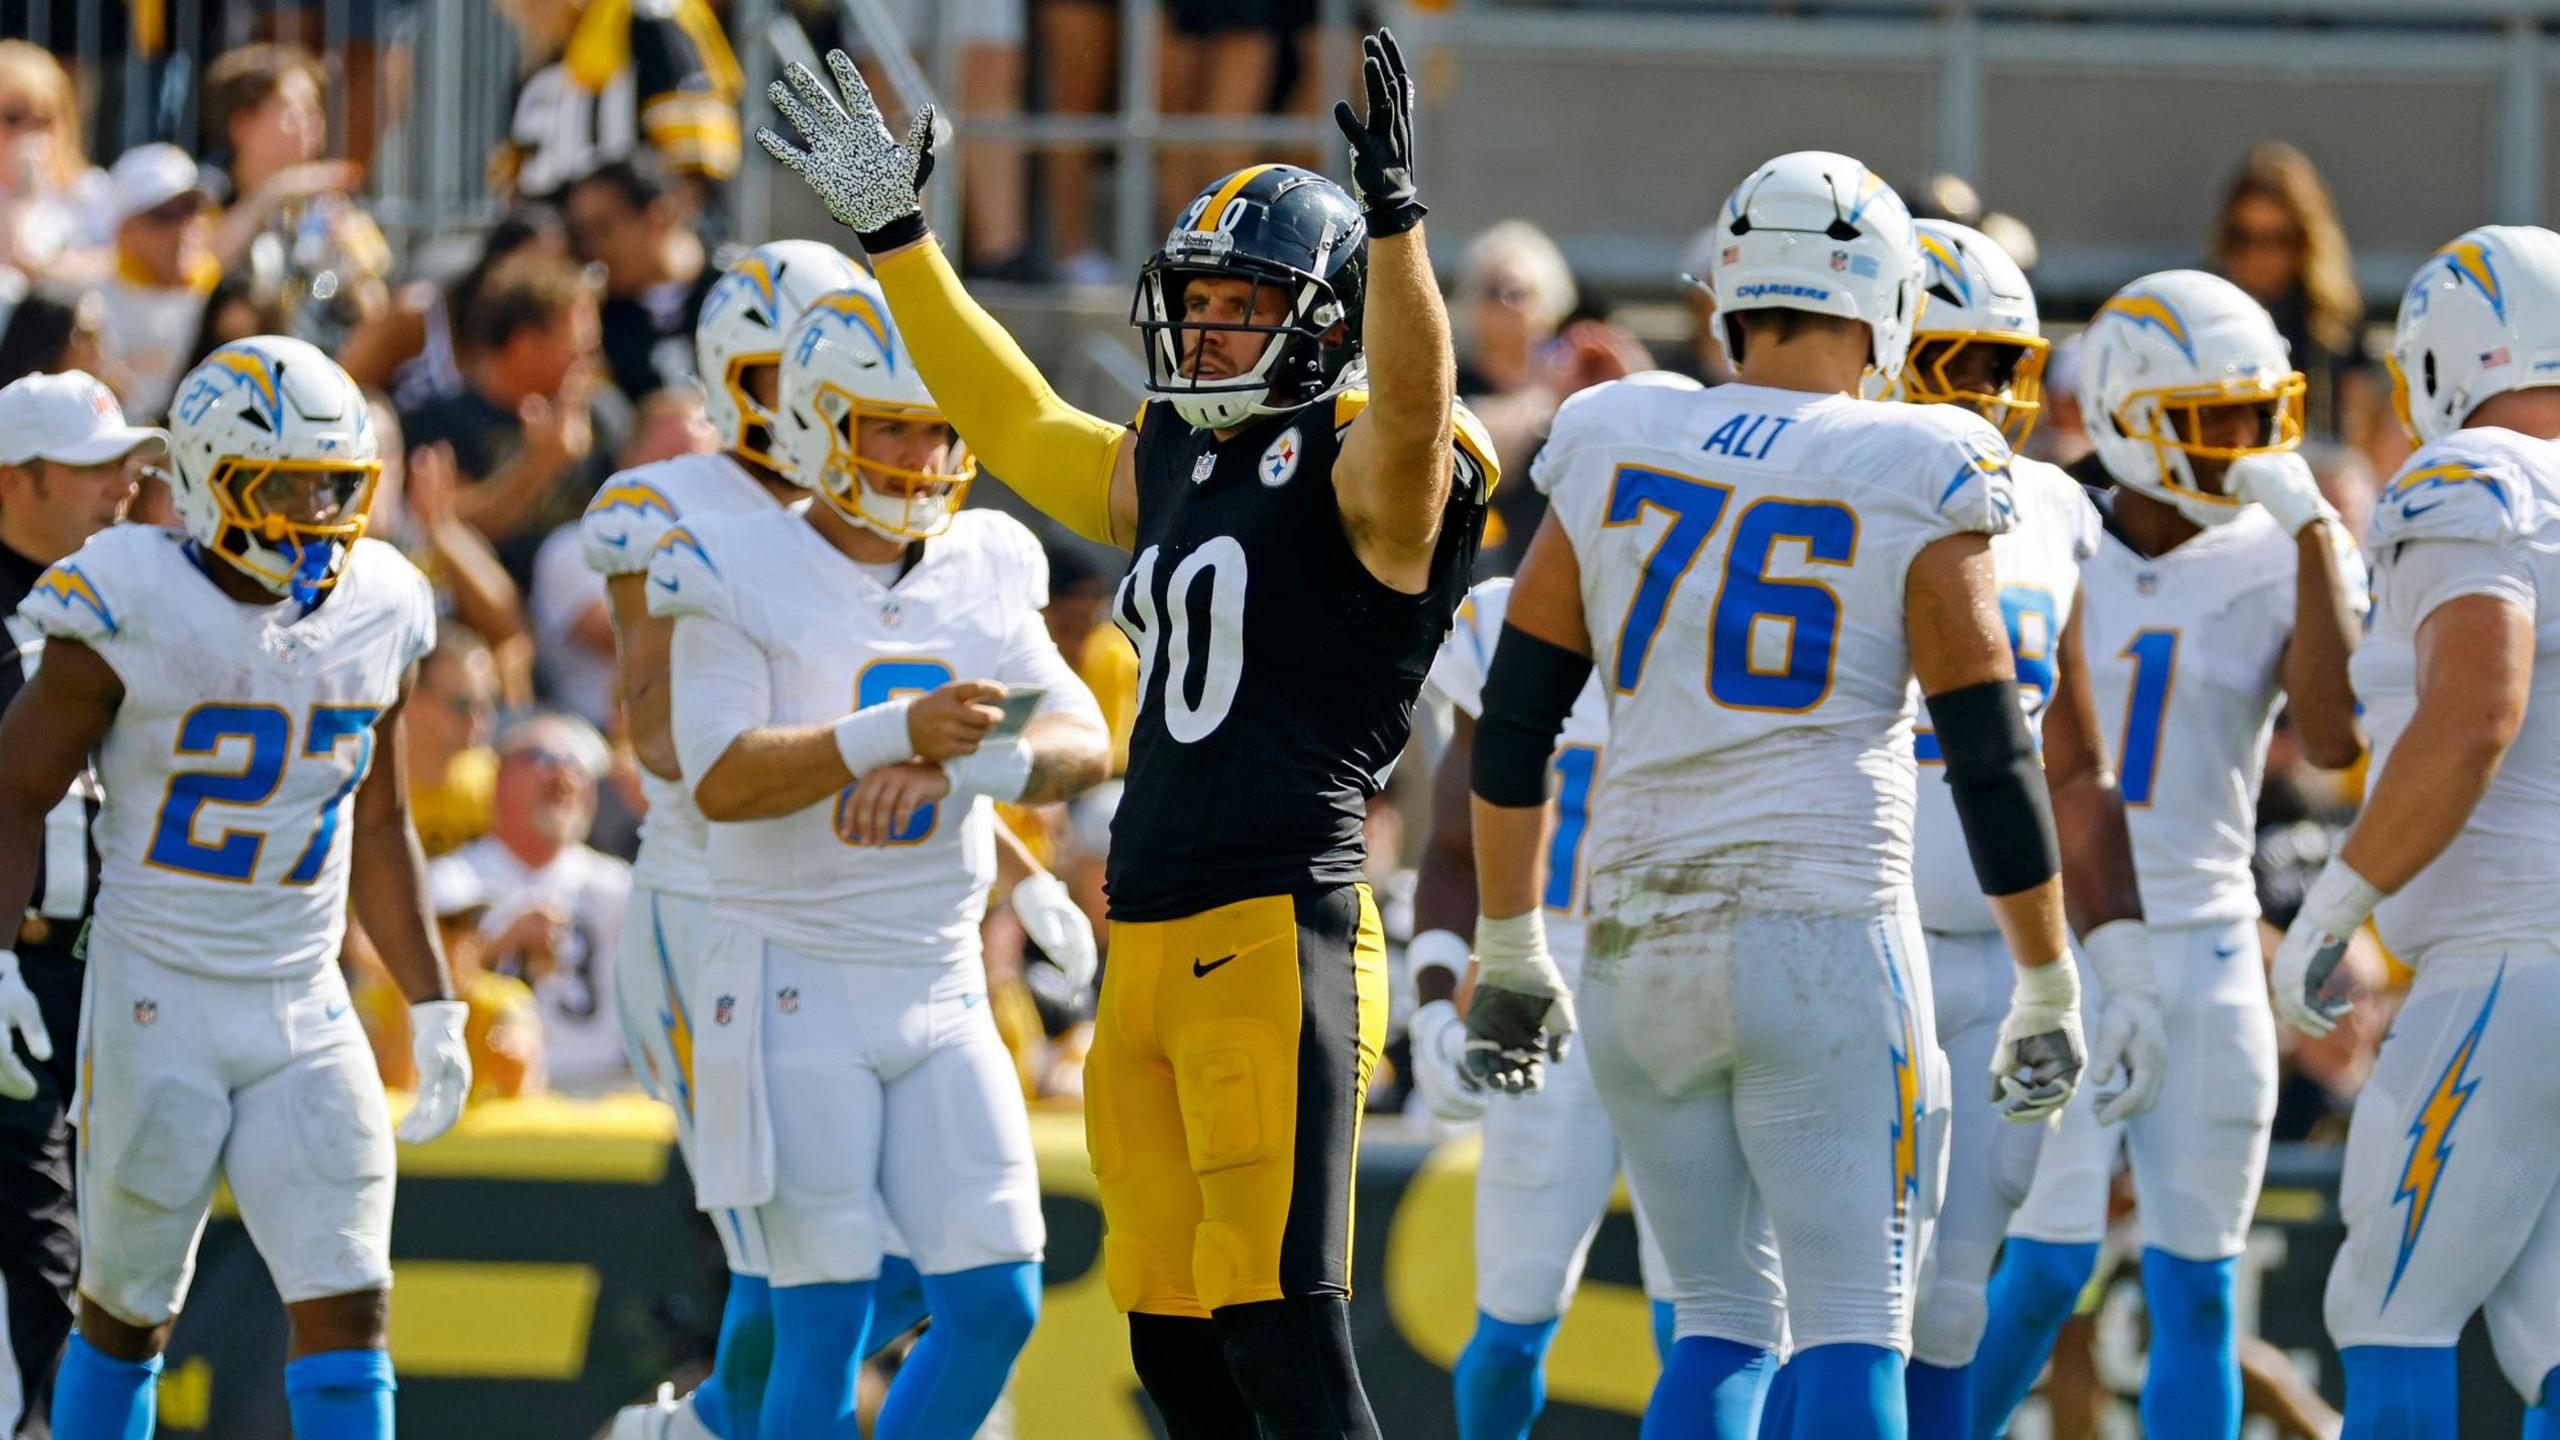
{"points": [[869, 181], [1522, 1013]]}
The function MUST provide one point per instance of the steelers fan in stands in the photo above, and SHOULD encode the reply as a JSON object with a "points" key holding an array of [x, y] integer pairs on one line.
{"points": [[1304, 497]]}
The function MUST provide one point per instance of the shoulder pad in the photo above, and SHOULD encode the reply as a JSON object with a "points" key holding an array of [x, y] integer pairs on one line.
{"points": [[623, 523], [1013, 552], [1477, 463], [1585, 416], [684, 576], [1966, 467], [406, 588], [1458, 672], [95, 594], [2457, 489]]}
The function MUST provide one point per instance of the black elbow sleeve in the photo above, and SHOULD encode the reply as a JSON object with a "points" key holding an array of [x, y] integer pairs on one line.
{"points": [[1529, 691], [1999, 786]]}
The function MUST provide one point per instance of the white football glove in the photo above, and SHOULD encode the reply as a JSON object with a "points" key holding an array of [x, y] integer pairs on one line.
{"points": [[1057, 924], [1522, 1013], [2310, 980], [2283, 484], [21, 1019], [2128, 1060], [2036, 1062], [1439, 1055], [868, 180], [444, 1068]]}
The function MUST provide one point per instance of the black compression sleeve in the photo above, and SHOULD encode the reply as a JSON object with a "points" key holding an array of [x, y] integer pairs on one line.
{"points": [[1999, 786], [1531, 688]]}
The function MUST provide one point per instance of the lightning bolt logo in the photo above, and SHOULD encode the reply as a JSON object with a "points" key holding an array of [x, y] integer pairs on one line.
{"points": [[2469, 260], [1946, 268], [234, 366], [2431, 1136], [67, 587], [634, 496], [2140, 310], [672, 1016], [679, 538], [2443, 477], [1908, 1109], [855, 309]]}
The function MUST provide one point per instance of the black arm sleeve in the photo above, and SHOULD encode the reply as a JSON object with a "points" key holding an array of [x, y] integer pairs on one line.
{"points": [[1529, 691], [2000, 792]]}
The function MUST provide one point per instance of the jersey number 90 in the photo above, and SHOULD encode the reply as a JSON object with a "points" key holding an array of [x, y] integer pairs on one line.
{"points": [[1169, 634]]}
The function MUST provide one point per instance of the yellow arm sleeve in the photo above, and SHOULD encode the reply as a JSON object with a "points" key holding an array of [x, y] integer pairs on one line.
{"points": [[1055, 456]]}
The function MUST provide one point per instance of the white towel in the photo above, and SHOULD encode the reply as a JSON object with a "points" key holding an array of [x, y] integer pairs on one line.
{"points": [[732, 1134]]}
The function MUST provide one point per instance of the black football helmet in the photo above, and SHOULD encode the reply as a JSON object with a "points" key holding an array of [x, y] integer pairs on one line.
{"points": [[1282, 229]]}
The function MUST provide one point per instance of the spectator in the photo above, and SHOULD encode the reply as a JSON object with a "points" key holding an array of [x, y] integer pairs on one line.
{"points": [[2277, 236], [1214, 57], [532, 431], [51, 331], [625, 216], [504, 1030], [1514, 289], [609, 77], [409, 348], [1077, 49], [53, 202], [414, 507], [266, 129], [164, 268], [987, 34], [555, 905], [453, 774]]}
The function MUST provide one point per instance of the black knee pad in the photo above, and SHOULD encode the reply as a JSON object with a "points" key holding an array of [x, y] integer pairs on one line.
{"points": [[1292, 1359], [1182, 1362]]}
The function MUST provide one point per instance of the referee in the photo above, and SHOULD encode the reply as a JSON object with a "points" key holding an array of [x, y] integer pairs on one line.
{"points": [[68, 464]]}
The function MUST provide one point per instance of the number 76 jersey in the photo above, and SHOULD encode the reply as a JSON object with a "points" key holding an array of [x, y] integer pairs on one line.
{"points": [[1743, 554]]}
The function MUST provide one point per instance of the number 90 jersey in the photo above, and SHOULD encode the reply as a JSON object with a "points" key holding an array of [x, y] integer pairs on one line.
{"points": [[234, 758], [2039, 567], [1276, 675], [1743, 554]]}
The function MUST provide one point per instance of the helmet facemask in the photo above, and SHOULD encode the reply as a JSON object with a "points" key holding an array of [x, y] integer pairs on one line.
{"points": [[288, 524], [753, 438], [1999, 376], [2175, 424], [1298, 364], [895, 501]]}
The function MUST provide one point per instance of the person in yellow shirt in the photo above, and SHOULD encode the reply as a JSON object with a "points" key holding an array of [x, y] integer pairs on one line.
{"points": [[453, 774]]}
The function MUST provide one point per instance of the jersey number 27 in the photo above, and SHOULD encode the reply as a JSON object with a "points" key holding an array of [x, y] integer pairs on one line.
{"points": [[267, 732]]}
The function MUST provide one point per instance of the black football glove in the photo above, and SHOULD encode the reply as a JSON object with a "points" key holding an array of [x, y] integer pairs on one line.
{"points": [[1382, 147]]}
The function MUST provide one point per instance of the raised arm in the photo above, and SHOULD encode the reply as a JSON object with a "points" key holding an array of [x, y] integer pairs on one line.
{"points": [[2325, 620]]}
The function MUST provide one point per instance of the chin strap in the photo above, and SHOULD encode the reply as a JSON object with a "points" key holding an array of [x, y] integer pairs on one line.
{"points": [[310, 567]]}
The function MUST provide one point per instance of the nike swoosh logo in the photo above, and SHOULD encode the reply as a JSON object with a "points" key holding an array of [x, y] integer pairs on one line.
{"points": [[2225, 952], [618, 542], [668, 583], [1198, 969], [334, 1011], [2412, 512]]}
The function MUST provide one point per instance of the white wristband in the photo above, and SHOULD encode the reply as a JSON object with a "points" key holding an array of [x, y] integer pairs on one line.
{"points": [[2120, 953], [1510, 946], [2056, 984], [873, 736], [1000, 771], [2339, 900], [1437, 950]]}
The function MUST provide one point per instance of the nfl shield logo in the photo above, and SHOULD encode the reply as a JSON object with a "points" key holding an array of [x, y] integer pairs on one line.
{"points": [[726, 1007], [1202, 468], [146, 1012], [790, 1000], [892, 614], [2147, 582], [1839, 259]]}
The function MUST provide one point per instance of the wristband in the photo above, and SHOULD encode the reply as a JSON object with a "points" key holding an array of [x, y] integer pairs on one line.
{"points": [[1001, 771], [2120, 954], [1437, 949], [2055, 985], [2339, 900], [873, 736], [1513, 945], [907, 229]]}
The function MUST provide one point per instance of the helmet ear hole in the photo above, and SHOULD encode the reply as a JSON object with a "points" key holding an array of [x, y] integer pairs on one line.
{"points": [[2427, 373], [1841, 230]]}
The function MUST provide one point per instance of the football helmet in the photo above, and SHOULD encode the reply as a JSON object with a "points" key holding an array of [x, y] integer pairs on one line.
{"points": [[742, 323], [1288, 232], [1819, 232], [274, 462], [2159, 355], [1977, 299], [2481, 317], [844, 362]]}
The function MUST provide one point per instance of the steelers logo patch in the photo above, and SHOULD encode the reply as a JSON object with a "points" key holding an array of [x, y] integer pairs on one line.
{"points": [[1280, 461]]}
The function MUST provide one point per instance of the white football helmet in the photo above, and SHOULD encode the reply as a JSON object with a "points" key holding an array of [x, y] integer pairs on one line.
{"points": [[844, 362], [1974, 295], [2161, 353], [1820, 232], [2482, 317], [742, 324], [274, 460]]}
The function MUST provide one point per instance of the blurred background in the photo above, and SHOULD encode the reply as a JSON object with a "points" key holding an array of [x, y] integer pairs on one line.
{"points": [[502, 216]]}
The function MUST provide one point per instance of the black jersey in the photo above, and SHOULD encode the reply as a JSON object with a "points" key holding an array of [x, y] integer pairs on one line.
{"points": [[1276, 675]]}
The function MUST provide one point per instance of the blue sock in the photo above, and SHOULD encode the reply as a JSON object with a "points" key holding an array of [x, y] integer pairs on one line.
{"points": [[2032, 1293], [1778, 1413], [1849, 1392], [730, 1404], [96, 1397], [1665, 1318], [1710, 1390], [340, 1395], [2539, 1423], [2397, 1392], [1502, 1378], [1940, 1400], [981, 1319], [817, 1347], [2194, 1384], [897, 1301]]}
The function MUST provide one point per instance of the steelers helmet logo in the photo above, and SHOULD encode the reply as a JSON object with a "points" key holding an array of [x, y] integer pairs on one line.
{"points": [[1280, 461]]}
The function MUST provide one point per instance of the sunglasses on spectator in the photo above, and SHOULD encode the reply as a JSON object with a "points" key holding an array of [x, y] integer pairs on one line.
{"points": [[545, 755], [2242, 237], [176, 211], [16, 120]]}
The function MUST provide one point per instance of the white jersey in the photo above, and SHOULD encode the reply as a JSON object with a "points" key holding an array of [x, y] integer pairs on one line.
{"points": [[231, 768], [618, 534], [2039, 567], [1743, 554], [2186, 655], [1458, 674], [777, 627], [2477, 512]]}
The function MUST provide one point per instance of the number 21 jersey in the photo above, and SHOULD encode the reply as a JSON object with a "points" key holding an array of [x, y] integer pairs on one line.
{"points": [[1276, 675]]}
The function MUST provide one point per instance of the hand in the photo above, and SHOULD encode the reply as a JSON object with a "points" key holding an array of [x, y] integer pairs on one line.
{"points": [[1588, 353], [558, 430], [1382, 145], [537, 935], [869, 182], [444, 1068], [1057, 924], [2310, 979], [949, 721], [2036, 1062], [305, 180], [22, 1018], [2128, 1060], [1522, 1010], [427, 487], [1439, 1075], [887, 798], [2283, 484]]}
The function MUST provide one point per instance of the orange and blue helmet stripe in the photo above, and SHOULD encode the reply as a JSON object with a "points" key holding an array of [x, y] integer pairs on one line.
{"points": [[2431, 1136], [68, 586]]}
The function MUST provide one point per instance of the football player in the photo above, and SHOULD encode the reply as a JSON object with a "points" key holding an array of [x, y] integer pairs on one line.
{"points": [[2452, 1188], [241, 684], [2221, 590], [1305, 498], [1759, 571], [1550, 1160], [845, 1061]]}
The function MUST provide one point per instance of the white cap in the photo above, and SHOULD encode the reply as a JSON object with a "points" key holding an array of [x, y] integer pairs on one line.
{"points": [[147, 177], [68, 418], [454, 887]]}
